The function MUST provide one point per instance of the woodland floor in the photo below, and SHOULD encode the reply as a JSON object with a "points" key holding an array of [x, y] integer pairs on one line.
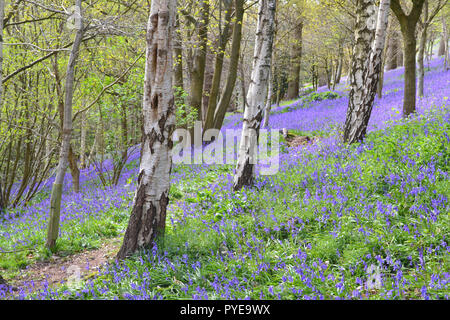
{"points": [[58, 270]]}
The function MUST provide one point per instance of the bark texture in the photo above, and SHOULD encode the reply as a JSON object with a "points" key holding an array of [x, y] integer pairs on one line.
{"points": [[148, 216], [257, 94], [408, 23], [365, 70]]}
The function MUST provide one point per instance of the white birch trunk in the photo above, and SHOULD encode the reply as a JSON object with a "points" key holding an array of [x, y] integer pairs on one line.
{"points": [[148, 216], [365, 69], [257, 94]]}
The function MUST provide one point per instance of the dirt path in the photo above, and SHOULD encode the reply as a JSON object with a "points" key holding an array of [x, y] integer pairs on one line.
{"points": [[61, 269]]}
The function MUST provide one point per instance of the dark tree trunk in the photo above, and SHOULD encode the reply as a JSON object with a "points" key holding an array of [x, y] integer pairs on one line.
{"points": [[218, 67], [178, 56], [234, 63], [295, 63], [441, 50], [408, 27], [199, 62]]}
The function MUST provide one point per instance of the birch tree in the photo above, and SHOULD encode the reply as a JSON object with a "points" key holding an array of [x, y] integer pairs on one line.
{"points": [[365, 67], [148, 216], [56, 195], [257, 94]]}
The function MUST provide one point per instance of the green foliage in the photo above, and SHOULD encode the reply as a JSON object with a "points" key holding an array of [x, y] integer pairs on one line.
{"points": [[319, 96], [185, 114]]}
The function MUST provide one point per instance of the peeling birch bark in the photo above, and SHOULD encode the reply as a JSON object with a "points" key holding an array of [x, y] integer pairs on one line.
{"points": [[257, 94], [365, 68], [148, 216]]}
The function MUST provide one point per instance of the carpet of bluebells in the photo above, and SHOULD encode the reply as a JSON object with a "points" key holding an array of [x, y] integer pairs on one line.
{"points": [[370, 221]]}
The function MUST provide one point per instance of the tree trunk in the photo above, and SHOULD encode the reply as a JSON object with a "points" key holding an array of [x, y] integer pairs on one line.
{"points": [[400, 49], [257, 94], [199, 62], [446, 51], [218, 67], [234, 62], [441, 50], [148, 216], [178, 56], [56, 195], [366, 66], [207, 84], [408, 27], [421, 52], [243, 90], [393, 48], [75, 172], [295, 63], [340, 62], [409, 54]]}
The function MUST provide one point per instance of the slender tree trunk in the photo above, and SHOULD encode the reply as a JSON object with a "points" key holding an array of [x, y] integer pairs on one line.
{"points": [[234, 63], [441, 50], [75, 172], [384, 59], [337, 78], [207, 84], [393, 50], [199, 62], [421, 52], [148, 216], [55, 200], [295, 63], [409, 54], [218, 67], [178, 56], [243, 90], [365, 67], [257, 95]]}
